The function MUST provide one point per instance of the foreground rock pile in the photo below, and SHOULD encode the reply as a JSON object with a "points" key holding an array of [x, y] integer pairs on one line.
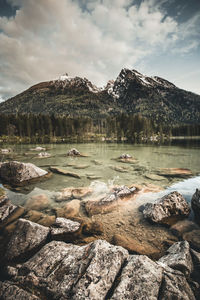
{"points": [[99, 270]]}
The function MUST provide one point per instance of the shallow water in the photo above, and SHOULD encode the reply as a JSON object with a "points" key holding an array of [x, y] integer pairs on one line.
{"points": [[100, 174]]}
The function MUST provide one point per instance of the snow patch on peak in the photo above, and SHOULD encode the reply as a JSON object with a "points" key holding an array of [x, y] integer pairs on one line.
{"points": [[65, 77]]}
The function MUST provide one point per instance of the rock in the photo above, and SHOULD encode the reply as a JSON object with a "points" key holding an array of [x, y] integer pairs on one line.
{"points": [[38, 202], [140, 279], [9, 212], [63, 172], [38, 149], [178, 257], [136, 247], [195, 203], [44, 154], [18, 173], [73, 152], [175, 172], [80, 167], [75, 272], [93, 228], [154, 177], [193, 237], [27, 238], [81, 192], [167, 210], [10, 291], [93, 177], [125, 156], [6, 150], [175, 286], [182, 227], [70, 210], [124, 191], [47, 220], [119, 169], [2, 195], [64, 229]]}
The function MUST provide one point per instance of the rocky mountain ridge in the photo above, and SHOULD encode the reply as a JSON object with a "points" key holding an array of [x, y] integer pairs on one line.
{"points": [[131, 93]]}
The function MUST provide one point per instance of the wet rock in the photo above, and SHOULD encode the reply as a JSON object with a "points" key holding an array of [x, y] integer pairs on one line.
{"points": [[167, 210], [26, 239], [10, 291], [134, 246], [93, 177], [140, 279], [70, 210], [64, 229], [44, 154], [81, 192], [175, 172], [154, 177], [73, 152], [175, 286], [63, 172], [195, 203], [75, 272], [125, 156], [124, 191], [38, 202], [38, 149], [47, 220], [178, 257], [9, 212], [193, 237], [93, 228], [17, 173], [182, 227]]}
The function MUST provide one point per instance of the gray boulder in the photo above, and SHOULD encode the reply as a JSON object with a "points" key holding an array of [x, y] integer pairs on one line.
{"points": [[73, 152], [10, 291], [167, 210], [18, 173], [140, 279], [27, 238], [178, 257], [195, 203], [64, 228]]}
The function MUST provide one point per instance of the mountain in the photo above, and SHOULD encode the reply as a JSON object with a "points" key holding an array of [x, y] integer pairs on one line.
{"points": [[131, 93]]}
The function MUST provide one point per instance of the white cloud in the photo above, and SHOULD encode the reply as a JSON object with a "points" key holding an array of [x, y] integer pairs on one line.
{"points": [[47, 38]]}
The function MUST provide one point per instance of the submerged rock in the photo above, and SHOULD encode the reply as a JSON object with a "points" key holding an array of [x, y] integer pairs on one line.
{"points": [[70, 209], [18, 173], [119, 169], [183, 226], [63, 172], [27, 238], [38, 202], [64, 229], [195, 203], [167, 210], [175, 172], [193, 237]]}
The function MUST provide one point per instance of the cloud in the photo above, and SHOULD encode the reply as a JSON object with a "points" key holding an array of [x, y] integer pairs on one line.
{"points": [[92, 39]]}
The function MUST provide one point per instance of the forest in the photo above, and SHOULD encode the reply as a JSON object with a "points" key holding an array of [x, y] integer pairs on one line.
{"points": [[48, 128]]}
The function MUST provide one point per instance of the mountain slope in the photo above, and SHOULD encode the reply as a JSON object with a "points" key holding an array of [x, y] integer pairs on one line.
{"points": [[130, 93]]}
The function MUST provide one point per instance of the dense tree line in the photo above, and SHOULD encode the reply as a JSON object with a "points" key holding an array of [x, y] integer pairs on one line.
{"points": [[132, 127]]}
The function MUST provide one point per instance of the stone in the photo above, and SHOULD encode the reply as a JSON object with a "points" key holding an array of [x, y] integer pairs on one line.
{"points": [[44, 154], [38, 202], [140, 279], [18, 173], [10, 291], [136, 247], [167, 210], [119, 169], [178, 257], [70, 210], [175, 172], [63, 172], [193, 237], [75, 272], [73, 152], [80, 167], [125, 156], [27, 238], [124, 191], [93, 228], [64, 229], [81, 192], [38, 149], [154, 177], [2, 196], [9, 213], [175, 286], [183, 226], [195, 203]]}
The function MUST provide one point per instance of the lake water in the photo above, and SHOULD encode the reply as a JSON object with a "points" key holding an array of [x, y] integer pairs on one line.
{"points": [[100, 169]]}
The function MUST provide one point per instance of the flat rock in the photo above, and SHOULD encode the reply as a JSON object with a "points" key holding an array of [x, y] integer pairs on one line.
{"points": [[193, 237], [140, 279], [18, 173], [75, 272], [70, 209], [175, 172], [195, 203], [178, 257], [154, 177], [10, 291], [183, 226], [38, 202], [167, 210], [64, 228], [80, 167], [119, 169], [26, 239], [63, 172], [136, 247], [38, 149]]}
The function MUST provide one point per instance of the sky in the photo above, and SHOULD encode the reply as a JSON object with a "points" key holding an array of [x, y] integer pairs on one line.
{"points": [[43, 39]]}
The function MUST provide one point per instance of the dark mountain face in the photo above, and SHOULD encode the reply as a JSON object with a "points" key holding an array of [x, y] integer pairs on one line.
{"points": [[130, 93]]}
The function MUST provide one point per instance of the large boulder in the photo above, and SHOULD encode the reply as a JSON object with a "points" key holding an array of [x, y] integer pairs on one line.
{"points": [[18, 173], [195, 203], [10, 291], [140, 279], [27, 238], [167, 210]]}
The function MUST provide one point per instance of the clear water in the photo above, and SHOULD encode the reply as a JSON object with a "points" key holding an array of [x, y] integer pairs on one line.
{"points": [[149, 159]]}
